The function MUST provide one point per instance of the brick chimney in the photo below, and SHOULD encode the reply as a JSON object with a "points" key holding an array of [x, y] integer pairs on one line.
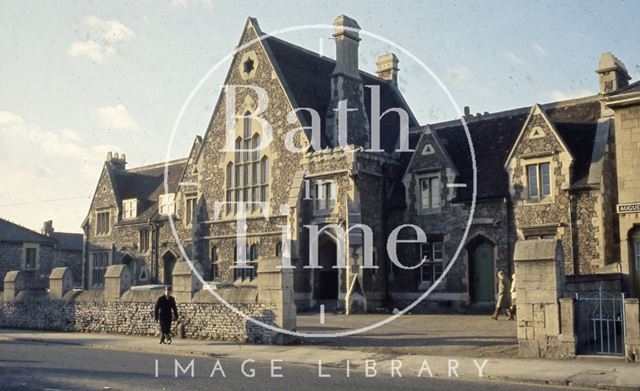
{"points": [[387, 67], [347, 87], [612, 73], [115, 161], [47, 228]]}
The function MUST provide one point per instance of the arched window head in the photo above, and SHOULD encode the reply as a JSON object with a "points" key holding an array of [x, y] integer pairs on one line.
{"points": [[246, 125], [253, 252], [229, 175], [238, 147]]}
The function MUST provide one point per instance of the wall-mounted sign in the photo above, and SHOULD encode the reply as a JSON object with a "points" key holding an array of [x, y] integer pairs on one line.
{"points": [[629, 208]]}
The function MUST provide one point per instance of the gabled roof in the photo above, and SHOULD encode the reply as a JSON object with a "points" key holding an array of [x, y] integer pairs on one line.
{"points": [[633, 87], [12, 232], [146, 184], [308, 79], [68, 241], [537, 110], [494, 135]]}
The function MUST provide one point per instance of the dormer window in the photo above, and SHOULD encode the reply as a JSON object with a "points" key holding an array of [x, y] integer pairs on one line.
{"points": [[539, 181], [167, 204], [129, 208], [430, 192]]}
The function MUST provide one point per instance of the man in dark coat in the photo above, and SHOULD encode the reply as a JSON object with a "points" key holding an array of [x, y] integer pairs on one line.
{"points": [[165, 305]]}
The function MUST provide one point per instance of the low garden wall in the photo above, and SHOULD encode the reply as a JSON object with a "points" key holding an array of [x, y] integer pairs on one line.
{"points": [[120, 310]]}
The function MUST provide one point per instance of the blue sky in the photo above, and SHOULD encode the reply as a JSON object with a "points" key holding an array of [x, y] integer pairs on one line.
{"points": [[80, 78]]}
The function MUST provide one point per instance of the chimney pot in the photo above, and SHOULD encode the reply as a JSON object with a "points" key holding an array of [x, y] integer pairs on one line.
{"points": [[347, 38], [612, 73], [387, 67], [47, 228], [467, 111]]}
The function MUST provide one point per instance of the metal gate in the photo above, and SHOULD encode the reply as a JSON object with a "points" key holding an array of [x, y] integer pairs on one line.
{"points": [[600, 322]]}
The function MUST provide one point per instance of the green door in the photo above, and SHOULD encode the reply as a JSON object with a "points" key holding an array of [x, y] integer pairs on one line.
{"points": [[483, 281]]}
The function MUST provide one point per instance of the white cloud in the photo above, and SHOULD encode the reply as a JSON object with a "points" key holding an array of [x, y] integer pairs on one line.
{"points": [[64, 143], [192, 3], [104, 37], [513, 58], [460, 73], [566, 95], [70, 134], [538, 49], [116, 117], [91, 49], [46, 164]]}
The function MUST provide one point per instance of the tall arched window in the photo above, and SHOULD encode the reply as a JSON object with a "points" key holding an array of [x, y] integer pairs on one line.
{"points": [[248, 174]]}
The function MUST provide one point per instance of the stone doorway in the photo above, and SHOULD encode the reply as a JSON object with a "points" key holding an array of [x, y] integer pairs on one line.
{"points": [[326, 277], [482, 271], [168, 263]]}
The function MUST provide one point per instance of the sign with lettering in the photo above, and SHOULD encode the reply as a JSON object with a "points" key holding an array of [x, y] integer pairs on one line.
{"points": [[629, 208]]}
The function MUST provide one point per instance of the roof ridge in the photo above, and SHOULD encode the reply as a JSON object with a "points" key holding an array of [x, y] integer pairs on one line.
{"points": [[320, 56], [157, 165], [22, 227], [504, 113]]}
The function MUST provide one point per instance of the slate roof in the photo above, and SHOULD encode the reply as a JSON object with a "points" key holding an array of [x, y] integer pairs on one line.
{"points": [[577, 126], [494, 135], [308, 77], [68, 241], [633, 87], [12, 232], [146, 184]]}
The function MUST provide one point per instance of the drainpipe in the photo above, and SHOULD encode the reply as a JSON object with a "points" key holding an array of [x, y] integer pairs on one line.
{"points": [[570, 222], [507, 204], [154, 252]]}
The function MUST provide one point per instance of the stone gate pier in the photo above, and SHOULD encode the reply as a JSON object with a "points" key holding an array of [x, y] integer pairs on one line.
{"points": [[545, 319]]}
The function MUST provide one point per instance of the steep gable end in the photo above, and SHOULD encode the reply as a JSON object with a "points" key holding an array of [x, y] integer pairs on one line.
{"points": [[538, 136]]}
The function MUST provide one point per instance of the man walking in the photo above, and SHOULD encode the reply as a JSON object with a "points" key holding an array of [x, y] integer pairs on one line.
{"points": [[165, 305], [504, 300]]}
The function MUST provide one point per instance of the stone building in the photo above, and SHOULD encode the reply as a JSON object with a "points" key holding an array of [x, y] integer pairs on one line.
{"points": [[543, 171], [37, 254], [69, 249]]}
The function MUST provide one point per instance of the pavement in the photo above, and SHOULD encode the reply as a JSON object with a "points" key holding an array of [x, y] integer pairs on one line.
{"points": [[50, 367], [613, 374], [424, 334]]}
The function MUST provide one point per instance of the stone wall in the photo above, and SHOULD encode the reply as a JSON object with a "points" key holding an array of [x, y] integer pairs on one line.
{"points": [[197, 320], [202, 316], [10, 256]]}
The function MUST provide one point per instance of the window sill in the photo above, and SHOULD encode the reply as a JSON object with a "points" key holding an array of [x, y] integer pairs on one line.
{"points": [[430, 211], [323, 212], [546, 201], [424, 285], [246, 282]]}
